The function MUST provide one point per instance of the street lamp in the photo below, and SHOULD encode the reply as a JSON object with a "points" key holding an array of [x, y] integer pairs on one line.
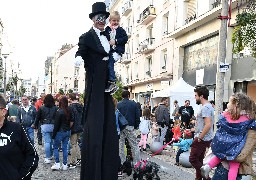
{"points": [[5, 57]]}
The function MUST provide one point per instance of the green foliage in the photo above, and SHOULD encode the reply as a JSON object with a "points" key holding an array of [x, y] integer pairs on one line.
{"points": [[118, 93], [244, 33], [15, 80], [9, 86], [61, 92], [81, 98], [70, 91], [22, 90]]}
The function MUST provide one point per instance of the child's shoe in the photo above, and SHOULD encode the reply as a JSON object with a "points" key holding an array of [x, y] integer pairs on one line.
{"points": [[177, 164], [110, 87], [114, 90], [205, 170]]}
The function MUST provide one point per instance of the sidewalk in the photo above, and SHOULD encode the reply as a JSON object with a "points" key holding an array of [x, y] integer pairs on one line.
{"points": [[168, 156]]}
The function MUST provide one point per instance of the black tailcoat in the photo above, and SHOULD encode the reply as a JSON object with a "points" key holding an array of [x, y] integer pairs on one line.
{"points": [[100, 141]]}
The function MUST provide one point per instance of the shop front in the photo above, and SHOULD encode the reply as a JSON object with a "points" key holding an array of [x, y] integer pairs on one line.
{"points": [[243, 76], [200, 64]]}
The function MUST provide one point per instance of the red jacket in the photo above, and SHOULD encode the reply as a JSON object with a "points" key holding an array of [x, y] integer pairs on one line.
{"points": [[176, 132], [38, 104]]}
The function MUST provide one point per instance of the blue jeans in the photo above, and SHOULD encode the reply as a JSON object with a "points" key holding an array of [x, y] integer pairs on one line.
{"points": [[180, 151], [48, 144], [30, 133], [111, 73], [61, 137]]}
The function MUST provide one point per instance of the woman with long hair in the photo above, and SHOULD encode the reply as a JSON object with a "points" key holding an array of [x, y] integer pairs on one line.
{"points": [[62, 133], [46, 117]]}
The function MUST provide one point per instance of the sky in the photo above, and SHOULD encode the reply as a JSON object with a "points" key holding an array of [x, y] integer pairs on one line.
{"points": [[35, 29]]}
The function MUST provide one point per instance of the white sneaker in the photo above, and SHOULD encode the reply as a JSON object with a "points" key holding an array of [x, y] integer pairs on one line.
{"points": [[47, 161], [64, 167], [205, 171], [56, 166]]}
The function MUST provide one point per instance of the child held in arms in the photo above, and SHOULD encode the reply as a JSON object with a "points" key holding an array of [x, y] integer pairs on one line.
{"points": [[117, 39], [229, 140]]}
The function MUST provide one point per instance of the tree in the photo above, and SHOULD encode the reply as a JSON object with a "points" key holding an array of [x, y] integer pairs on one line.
{"points": [[70, 91], [244, 33], [118, 93], [22, 90], [61, 92]]}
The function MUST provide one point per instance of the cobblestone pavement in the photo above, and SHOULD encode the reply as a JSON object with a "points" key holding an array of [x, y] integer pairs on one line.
{"points": [[166, 161], [44, 171]]}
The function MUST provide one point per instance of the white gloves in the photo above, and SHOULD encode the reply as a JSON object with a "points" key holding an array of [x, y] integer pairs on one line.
{"points": [[78, 61], [116, 56]]}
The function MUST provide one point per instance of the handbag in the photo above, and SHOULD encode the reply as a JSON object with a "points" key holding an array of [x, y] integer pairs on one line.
{"points": [[121, 121]]}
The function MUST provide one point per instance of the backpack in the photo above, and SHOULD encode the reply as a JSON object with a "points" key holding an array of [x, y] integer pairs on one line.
{"points": [[122, 122]]}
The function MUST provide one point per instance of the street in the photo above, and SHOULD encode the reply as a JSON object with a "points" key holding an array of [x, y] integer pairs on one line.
{"points": [[167, 171]]}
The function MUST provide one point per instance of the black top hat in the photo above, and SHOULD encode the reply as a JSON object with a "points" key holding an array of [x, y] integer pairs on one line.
{"points": [[98, 8]]}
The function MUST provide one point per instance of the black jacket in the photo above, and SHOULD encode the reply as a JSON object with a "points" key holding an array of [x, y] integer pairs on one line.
{"points": [[62, 122], [18, 158], [121, 39], [162, 114], [46, 115], [130, 111], [76, 116]]}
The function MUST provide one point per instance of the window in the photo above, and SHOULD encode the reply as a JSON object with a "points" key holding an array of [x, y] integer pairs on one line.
{"points": [[165, 24], [150, 31], [75, 83], [136, 70], [163, 60], [148, 66], [137, 43], [76, 73]]}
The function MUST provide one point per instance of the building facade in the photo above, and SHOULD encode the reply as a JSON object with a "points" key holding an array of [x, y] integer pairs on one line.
{"points": [[1, 59], [146, 65], [27, 84], [169, 39], [62, 73]]}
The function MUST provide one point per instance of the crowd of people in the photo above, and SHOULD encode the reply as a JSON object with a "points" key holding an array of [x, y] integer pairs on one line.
{"points": [[58, 123], [102, 143], [230, 145]]}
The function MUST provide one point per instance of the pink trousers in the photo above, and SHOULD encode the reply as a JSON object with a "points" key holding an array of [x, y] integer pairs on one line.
{"points": [[233, 167], [143, 140]]}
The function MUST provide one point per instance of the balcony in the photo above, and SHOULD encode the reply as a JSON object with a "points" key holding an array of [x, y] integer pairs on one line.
{"points": [[147, 15], [146, 46], [190, 18], [126, 58], [194, 23], [128, 31], [127, 8], [216, 3], [148, 73]]}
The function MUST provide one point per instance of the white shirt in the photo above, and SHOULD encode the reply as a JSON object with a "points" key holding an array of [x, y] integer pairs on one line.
{"points": [[103, 40]]}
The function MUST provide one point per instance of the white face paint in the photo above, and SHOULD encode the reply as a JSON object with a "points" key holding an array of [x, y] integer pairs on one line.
{"points": [[100, 21], [100, 18]]}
